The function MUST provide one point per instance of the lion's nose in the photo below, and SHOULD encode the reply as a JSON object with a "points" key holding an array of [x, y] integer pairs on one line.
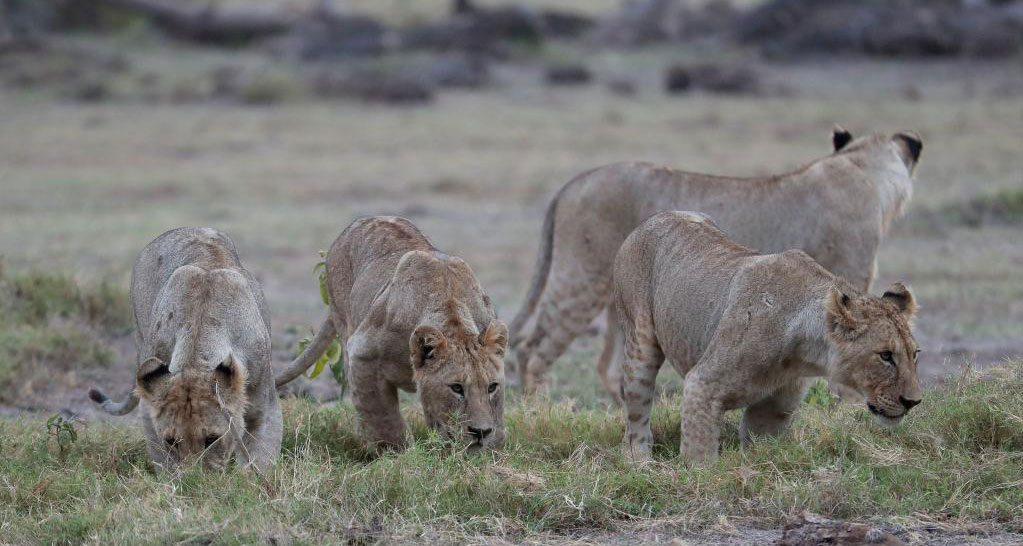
{"points": [[480, 433], [907, 403]]}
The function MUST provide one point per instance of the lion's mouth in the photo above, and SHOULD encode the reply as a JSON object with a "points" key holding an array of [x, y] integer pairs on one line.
{"points": [[884, 418]]}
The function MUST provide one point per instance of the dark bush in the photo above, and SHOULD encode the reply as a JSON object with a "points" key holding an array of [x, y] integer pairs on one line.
{"points": [[330, 35], [459, 70], [374, 86], [480, 31], [568, 74], [677, 79], [712, 78], [889, 28]]}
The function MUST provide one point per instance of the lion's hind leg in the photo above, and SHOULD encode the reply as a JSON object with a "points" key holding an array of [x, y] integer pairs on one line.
{"points": [[643, 359], [609, 367], [564, 312]]}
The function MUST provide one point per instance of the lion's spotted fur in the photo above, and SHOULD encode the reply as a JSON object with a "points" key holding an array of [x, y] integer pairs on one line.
{"points": [[413, 318], [203, 339], [746, 330], [836, 208]]}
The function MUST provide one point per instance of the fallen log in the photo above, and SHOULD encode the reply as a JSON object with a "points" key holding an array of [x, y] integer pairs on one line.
{"points": [[208, 24], [815, 530]]}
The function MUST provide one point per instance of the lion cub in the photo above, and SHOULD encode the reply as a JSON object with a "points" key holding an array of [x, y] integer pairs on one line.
{"points": [[413, 318], [203, 340], [745, 329]]}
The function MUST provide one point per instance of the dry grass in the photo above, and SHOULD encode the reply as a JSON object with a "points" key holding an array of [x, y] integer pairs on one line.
{"points": [[957, 459], [51, 327], [85, 187]]}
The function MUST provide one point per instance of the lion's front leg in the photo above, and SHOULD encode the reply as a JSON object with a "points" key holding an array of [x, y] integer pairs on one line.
{"points": [[378, 414], [772, 415], [702, 412]]}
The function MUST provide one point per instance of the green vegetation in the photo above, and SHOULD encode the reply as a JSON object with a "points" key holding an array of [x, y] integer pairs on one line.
{"points": [[1000, 207], [48, 323], [957, 457], [332, 357]]}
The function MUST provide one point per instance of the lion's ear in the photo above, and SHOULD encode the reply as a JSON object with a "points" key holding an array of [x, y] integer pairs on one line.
{"points": [[910, 145], [151, 376], [839, 312], [232, 374], [899, 295], [840, 137], [426, 345], [495, 338]]}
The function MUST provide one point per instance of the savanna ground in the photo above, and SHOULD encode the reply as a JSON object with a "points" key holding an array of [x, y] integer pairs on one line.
{"points": [[86, 186]]}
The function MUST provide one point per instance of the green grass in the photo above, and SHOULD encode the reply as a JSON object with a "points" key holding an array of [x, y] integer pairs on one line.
{"points": [[1001, 207], [957, 458], [48, 323]]}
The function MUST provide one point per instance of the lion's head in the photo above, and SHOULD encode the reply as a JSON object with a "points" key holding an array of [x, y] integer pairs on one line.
{"points": [[873, 351], [460, 380], [198, 413], [905, 145]]}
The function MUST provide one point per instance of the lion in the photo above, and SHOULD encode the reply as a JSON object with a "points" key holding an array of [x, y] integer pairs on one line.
{"points": [[837, 209], [413, 318], [203, 340], [746, 329]]}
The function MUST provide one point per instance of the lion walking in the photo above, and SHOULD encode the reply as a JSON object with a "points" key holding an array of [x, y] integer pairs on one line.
{"points": [[837, 209]]}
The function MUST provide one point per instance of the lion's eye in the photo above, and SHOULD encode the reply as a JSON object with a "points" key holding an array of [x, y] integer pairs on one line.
{"points": [[457, 388], [210, 440], [492, 388], [886, 356], [169, 441]]}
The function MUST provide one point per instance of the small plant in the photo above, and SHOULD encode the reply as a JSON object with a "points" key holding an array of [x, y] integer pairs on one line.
{"points": [[332, 356], [62, 432], [268, 88]]}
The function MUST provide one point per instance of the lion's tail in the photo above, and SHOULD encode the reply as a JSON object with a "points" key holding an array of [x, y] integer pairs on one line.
{"points": [[540, 272], [311, 354], [111, 407]]}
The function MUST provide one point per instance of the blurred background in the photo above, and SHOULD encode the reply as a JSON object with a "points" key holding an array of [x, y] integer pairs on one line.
{"points": [[281, 121]]}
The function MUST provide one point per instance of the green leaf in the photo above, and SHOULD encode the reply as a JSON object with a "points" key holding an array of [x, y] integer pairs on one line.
{"points": [[323, 288], [329, 357], [337, 369], [332, 356], [321, 270]]}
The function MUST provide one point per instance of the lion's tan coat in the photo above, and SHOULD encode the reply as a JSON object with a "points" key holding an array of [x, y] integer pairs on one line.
{"points": [[412, 318], [837, 209], [745, 329], [203, 338]]}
